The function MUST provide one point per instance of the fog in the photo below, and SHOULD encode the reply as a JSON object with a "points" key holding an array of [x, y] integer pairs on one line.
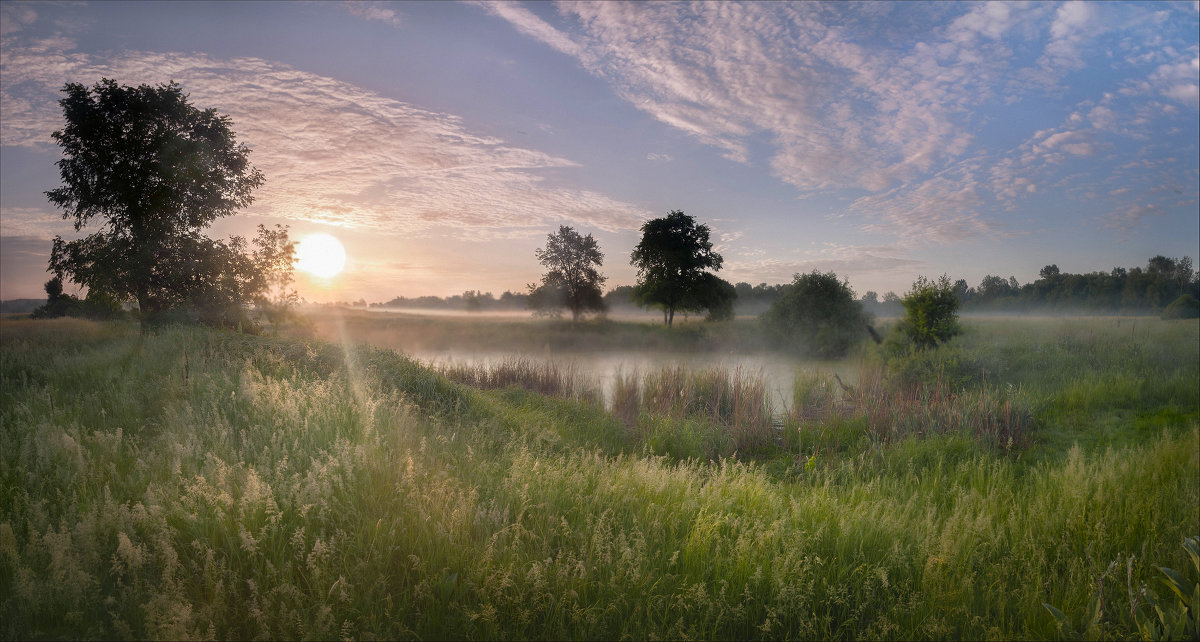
{"points": [[621, 313], [633, 343], [778, 371], [617, 314]]}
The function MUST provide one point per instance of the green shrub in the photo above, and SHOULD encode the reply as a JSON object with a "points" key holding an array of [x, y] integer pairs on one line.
{"points": [[817, 315], [1185, 307], [97, 304], [930, 312]]}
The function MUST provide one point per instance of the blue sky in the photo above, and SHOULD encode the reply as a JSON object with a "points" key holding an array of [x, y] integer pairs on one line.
{"points": [[442, 142]]}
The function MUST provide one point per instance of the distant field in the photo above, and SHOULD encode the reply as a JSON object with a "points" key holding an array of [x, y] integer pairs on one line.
{"points": [[202, 484]]}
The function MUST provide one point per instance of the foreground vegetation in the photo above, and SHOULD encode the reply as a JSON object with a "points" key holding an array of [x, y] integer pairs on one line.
{"points": [[195, 483]]}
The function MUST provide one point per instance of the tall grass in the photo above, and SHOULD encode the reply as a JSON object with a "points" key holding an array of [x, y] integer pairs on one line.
{"points": [[1093, 381], [543, 377], [199, 484], [737, 400], [707, 413], [884, 410]]}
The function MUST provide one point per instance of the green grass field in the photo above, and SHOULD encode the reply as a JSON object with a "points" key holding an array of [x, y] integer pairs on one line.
{"points": [[193, 483]]}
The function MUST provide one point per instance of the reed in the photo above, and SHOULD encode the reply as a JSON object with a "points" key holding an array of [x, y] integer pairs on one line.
{"points": [[733, 402], [627, 398], [888, 408], [543, 377]]}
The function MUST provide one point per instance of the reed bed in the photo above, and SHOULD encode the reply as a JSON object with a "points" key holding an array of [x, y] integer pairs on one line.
{"points": [[733, 406], [887, 409], [543, 377], [735, 399]]}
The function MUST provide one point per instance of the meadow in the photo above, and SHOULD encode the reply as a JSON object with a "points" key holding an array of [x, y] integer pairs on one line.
{"points": [[195, 483]]}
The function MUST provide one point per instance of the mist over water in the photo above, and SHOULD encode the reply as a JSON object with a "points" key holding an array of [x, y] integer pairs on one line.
{"points": [[603, 368], [615, 314], [598, 354]]}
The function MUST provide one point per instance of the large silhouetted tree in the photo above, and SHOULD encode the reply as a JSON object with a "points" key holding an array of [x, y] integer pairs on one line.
{"points": [[572, 281], [672, 261], [157, 171]]}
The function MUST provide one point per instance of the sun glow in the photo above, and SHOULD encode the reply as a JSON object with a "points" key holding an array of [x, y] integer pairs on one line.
{"points": [[320, 255]]}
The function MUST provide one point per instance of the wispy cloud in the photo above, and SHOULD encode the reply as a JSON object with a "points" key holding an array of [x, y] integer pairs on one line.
{"points": [[840, 113], [15, 16], [1127, 218], [942, 209], [529, 24], [898, 116], [31, 222], [376, 11], [1178, 80], [331, 151], [848, 261]]}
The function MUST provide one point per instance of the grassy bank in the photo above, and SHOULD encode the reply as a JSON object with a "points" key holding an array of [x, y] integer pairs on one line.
{"points": [[201, 484]]}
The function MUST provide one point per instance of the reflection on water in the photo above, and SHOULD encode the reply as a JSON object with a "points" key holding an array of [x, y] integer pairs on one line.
{"points": [[615, 314], [603, 368], [443, 338]]}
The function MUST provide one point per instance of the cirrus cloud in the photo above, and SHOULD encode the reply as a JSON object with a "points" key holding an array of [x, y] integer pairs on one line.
{"points": [[332, 152], [896, 113]]}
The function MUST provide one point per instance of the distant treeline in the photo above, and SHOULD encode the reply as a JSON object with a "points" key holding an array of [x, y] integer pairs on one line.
{"points": [[1136, 289], [469, 300]]}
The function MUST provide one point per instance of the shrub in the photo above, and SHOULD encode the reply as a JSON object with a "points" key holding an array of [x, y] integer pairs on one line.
{"points": [[930, 312], [97, 304], [817, 315], [1185, 307]]}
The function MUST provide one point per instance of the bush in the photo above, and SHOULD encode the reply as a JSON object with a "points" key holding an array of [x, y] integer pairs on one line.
{"points": [[1185, 307], [930, 312], [97, 304], [816, 315]]}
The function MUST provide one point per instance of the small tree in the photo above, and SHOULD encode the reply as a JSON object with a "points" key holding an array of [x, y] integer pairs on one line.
{"points": [[1184, 307], [57, 303], [157, 171], [573, 281], [930, 312], [96, 305], [817, 315], [672, 261]]}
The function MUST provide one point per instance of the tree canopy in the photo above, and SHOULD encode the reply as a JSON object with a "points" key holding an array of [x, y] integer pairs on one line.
{"points": [[673, 259], [572, 281], [158, 171]]}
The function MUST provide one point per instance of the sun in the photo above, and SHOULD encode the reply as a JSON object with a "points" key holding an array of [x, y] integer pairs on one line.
{"points": [[320, 255]]}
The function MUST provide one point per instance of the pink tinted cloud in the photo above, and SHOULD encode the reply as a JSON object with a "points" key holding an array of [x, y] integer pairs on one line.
{"points": [[332, 152]]}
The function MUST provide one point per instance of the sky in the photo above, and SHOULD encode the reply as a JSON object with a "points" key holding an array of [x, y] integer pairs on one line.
{"points": [[442, 142]]}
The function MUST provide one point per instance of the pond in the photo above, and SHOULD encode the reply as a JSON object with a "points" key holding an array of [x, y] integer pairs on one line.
{"points": [[779, 371], [597, 354]]}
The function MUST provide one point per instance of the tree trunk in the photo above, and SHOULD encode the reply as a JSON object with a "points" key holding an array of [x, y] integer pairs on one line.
{"points": [[143, 299], [671, 319]]}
